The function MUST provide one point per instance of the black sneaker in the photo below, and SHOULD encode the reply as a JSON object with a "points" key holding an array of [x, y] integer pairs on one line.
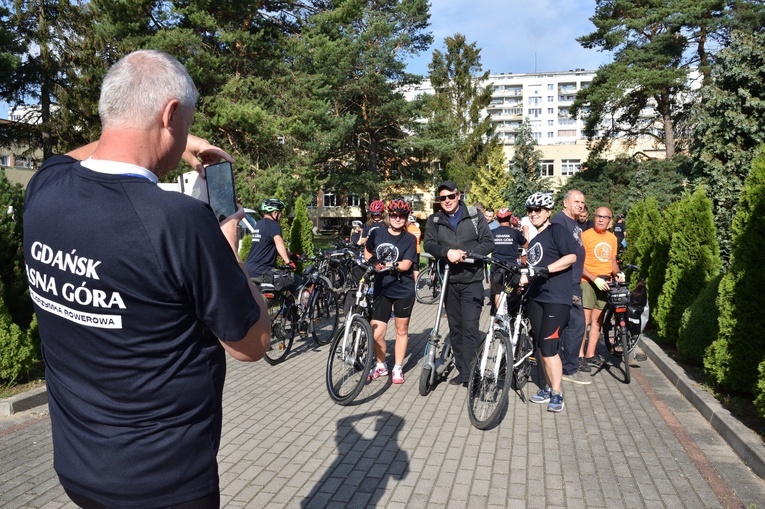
{"points": [[457, 380], [595, 362], [583, 366]]}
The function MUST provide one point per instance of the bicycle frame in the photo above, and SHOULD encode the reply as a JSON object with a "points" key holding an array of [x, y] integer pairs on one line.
{"points": [[434, 339]]}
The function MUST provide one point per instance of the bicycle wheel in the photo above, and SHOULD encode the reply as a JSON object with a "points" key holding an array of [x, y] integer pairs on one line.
{"points": [[490, 376], [624, 337], [324, 316], [336, 277], [282, 330], [350, 361], [428, 286], [609, 332]]}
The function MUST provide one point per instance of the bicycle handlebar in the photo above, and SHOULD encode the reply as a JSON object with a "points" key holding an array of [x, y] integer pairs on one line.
{"points": [[515, 268]]}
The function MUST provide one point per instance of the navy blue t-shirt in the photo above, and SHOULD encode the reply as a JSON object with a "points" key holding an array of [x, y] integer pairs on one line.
{"points": [[548, 246], [575, 230], [132, 286], [507, 240], [262, 255], [389, 248]]}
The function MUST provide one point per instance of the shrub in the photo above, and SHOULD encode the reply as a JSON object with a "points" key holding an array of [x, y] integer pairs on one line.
{"points": [[733, 358], [245, 246], [698, 327], [659, 255], [693, 260], [17, 350], [759, 401], [301, 234]]}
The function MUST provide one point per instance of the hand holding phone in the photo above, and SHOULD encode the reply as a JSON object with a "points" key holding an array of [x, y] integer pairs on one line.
{"points": [[220, 189]]}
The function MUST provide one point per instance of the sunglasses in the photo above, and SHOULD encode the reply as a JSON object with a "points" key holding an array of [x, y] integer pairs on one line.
{"points": [[602, 217], [397, 216], [534, 209], [445, 197]]}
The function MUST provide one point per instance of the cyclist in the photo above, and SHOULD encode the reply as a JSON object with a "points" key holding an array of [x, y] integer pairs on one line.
{"points": [[413, 227], [600, 247], [450, 234], [376, 219], [507, 241], [267, 240], [553, 250], [358, 226], [392, 247]]}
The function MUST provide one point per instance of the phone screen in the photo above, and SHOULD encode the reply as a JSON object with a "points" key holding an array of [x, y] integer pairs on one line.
{"points": [[220, 189]]}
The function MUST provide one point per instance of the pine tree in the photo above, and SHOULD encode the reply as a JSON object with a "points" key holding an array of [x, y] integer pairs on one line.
{"points": [[301, 234], [490, 185], [693, 260], [733, 358], [525, 178]]}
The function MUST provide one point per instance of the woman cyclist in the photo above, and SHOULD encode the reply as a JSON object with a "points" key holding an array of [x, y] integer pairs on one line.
{"points": [[551, 251], [392, 247], [376, 220]]}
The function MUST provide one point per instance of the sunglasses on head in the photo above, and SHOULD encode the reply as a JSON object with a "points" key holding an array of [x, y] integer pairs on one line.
{"points": [[445, 197]]}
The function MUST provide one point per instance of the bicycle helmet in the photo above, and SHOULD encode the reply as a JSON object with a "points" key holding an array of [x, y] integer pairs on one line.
{"points": [[540, 200], [399, 206], [272, 204], [411, 219], [376, 207], [504, 213], [356, 223]]}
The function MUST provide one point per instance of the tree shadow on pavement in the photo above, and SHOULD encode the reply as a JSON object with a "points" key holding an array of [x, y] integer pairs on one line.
{"points": [[368, 456]]}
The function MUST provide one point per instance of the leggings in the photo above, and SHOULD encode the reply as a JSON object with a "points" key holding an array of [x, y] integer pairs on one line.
{"points": [[547, 324]]}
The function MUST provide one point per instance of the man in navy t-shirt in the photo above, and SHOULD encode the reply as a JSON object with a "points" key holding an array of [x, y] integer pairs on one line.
{"points": [[137, 292], [267, 240]]}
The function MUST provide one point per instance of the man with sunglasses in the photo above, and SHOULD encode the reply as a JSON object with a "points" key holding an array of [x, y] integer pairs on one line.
{"points": [[450, 234], [571, 342]]}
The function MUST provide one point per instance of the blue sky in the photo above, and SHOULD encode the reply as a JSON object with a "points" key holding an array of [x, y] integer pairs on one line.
{"points": [[517, 36]]}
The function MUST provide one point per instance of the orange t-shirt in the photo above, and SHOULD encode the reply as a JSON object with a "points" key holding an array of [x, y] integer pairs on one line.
{"points": [[599, 252], [415, 230]]}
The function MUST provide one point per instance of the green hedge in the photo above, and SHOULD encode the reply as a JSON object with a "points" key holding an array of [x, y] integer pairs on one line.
{"points": [[698, 328], [734, 357]]}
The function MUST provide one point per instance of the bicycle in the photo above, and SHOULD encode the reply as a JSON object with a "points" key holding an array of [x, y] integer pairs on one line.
{"points": [[503, 360], [429, 282], [352, 354], [438, 356], [316, 313], [620, 331]]}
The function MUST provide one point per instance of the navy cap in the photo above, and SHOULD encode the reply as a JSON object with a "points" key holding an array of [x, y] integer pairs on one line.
{"points": [[447, 184]]}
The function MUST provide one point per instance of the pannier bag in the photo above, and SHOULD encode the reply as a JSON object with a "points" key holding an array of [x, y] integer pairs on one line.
{"points": [[637, 309], [279, 279]]}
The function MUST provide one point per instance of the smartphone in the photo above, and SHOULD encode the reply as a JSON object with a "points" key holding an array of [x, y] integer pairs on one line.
{"points": [[220, 189]]}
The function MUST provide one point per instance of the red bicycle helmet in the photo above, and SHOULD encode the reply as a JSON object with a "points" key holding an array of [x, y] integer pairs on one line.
{"points": [[399, 206], [504, 213], [376, 207]]}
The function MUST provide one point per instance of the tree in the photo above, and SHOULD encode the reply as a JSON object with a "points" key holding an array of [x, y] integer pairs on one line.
{"points": [[354, 53], [301, 235], [525, 177], [733, 357], [693, 260], [730, 125], [456, 134], [490, 185], [13, 276], [651, 43]]}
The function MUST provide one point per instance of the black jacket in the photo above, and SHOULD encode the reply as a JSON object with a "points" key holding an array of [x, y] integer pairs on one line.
{"points": [[472, 235]]}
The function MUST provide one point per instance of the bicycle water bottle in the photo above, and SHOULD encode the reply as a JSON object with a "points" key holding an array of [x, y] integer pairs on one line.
{"points": [[304, 298]]}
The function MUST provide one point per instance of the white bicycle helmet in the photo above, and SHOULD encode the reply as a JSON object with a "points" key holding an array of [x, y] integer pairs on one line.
{"points": [[540, 200]]}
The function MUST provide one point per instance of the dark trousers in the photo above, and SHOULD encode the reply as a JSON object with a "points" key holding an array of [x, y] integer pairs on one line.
{"points": [[208, 502], [571, 342], [464, 302]]}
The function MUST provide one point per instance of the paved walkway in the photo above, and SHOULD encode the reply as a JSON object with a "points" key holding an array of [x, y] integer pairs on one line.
{"points": [[286, 444]]}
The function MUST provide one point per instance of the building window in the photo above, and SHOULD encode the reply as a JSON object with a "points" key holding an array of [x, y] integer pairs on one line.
{"points": [[550, 98], [518, 110], [354, 200], [330, 199], [550, 111], [551, 122], [534, 100], [566, 132], [537, 136], [535, 112], [546, 168], [570, 167], [4, 160], [551, 86], [550, 134]]}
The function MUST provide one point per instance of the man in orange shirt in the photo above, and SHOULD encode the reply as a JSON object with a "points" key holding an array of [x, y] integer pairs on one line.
{"points": [[599, 261], [413, 227]]}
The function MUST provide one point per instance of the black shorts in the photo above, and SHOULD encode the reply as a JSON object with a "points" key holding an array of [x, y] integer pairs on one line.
{"points": [[382, 306]]}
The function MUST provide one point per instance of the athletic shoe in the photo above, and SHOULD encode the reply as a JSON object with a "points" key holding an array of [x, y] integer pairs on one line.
{"points": [[398, 376], [543, 396], [583, 366], [457, 380], [556, 403], [576, 378], [377, 373], [595, 362]]}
